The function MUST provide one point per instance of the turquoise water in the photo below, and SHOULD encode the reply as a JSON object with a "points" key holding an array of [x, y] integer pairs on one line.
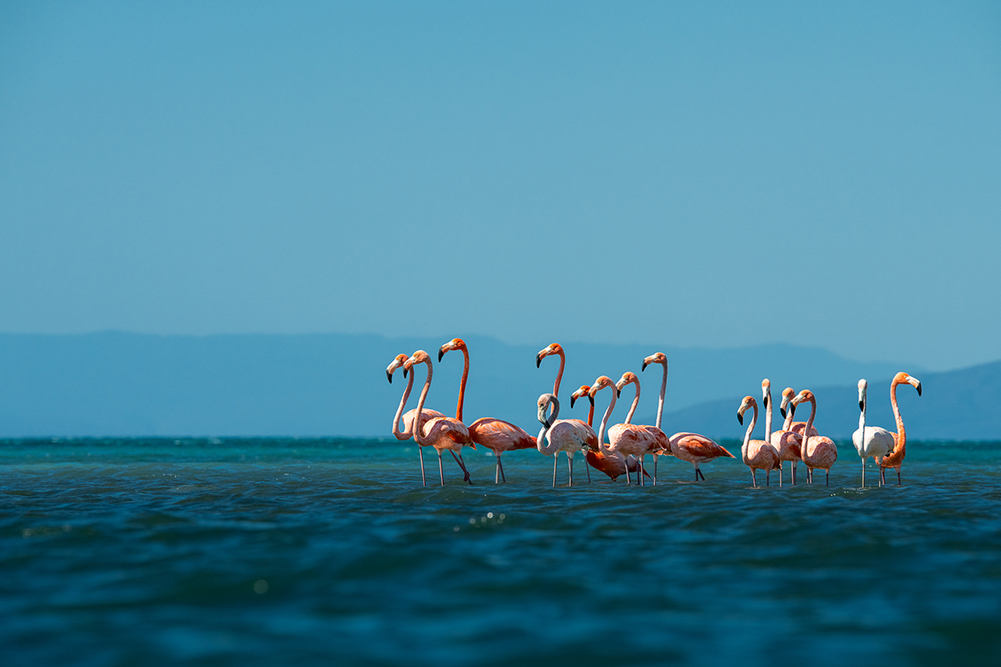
{"points": [[281, 551]]}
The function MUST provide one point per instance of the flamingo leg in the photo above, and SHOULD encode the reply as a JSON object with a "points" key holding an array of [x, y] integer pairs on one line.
{"points": [[768, 475], [780, 474], [556, 459], [827, 473], [462, 464], [625, 461], [497, 470], [642, 470], [863, 473], [587, 469], [899, 482], [570, 463], [441, 471], [501, 466], [420, 450], [754, 479], [655, 459]]}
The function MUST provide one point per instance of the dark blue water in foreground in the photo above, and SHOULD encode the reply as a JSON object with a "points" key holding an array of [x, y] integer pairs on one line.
{"points": [[273, 551]]}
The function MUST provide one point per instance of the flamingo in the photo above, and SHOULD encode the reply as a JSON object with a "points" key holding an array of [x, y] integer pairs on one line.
{"points": [[609, 465], [895, 458], [632, 439], [564, 435], [876, 442], [786, 441], [495, 434], [408, 419], [818, 451], [441, 432], [658, 358], [756, 454], [795, 427], [557, 349]]}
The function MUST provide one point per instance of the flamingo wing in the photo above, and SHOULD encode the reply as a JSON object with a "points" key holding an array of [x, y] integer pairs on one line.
{"points": [[699, 446], [499, 435]]}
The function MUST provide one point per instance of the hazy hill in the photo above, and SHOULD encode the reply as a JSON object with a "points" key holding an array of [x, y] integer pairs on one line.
{"points": [[956, 405], [333, 384]]}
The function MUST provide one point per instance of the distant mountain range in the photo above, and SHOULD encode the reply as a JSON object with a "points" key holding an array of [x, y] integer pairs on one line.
{"points": [[120, 384]]}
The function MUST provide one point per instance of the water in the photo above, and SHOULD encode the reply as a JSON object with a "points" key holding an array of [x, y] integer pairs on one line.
{"points": [[280, 551]]}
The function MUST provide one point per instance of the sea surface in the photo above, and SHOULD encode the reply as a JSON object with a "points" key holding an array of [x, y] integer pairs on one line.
{"points": [[329, 551]]}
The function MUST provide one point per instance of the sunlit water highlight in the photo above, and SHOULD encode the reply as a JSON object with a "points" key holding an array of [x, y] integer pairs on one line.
{"points": [[279, 551]]}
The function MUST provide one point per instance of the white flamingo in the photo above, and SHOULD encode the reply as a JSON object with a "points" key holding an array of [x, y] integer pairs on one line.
{"points": [[873, 441]]}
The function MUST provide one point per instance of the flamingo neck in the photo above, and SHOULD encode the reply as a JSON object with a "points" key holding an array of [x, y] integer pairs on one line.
{"points": [[540, 441], [559, 374], [636, 400], [768, 415], [809, 422], [901, 434], [861, 417], [462, 384], [660, 404], [399, 411], [604, 423], [590, 416], [419, 421], [747, 433], [790, 411]]}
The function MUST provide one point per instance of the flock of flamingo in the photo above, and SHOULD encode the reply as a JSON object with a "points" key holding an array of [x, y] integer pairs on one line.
{"points": [[629, 444]]}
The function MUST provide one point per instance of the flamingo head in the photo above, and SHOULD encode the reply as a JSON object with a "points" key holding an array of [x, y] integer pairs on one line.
{"points": [[787, 395], [601, 383], [544, 402], [656, 358], [419, 357], [746, 405], [584, 390], [627, 378], [863, 387], [454, 344], [766, 392], [904, 378], [397, 362], [554, 348], [803, 397]]}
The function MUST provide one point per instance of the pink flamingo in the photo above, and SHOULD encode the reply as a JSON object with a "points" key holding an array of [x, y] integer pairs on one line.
{"points": [[756, 454], [658, 358], [609, 465], [495, 434], [795, 427], [786, 441], [818, 451], [631, 439], [564, 435], [408, 419], [557, 349], [442, 433], [895, 458]]}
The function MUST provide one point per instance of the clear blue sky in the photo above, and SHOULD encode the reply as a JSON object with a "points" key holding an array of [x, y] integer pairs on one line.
{"points": [[710, 174]]}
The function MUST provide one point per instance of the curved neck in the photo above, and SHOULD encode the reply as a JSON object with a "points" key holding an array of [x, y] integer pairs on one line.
{"points": [[419, 421], [559, 374], [809, 422], [636, 400], [901, 435], [747, 433], [406, 435], [590, 415], [462, 384], [790, 411], [660, 404], [540, 441], [604, 422], [768, 415]]}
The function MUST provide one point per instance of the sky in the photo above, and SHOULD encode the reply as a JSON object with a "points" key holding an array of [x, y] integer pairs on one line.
{"points": [[685, 174]]}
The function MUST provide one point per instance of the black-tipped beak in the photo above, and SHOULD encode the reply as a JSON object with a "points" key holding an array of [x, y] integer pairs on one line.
{"points": [[618, 392], [740, 419], [644, 367], [389, 376], [783, 411], [919, 388], [861, 406], [766, 401], [591, 399], [538, 360], [573, 399], [441, 353], [405, 371]]}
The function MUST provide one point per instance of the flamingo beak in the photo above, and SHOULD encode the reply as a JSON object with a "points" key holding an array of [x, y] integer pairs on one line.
{"points": [[766, 400], [918, 387], [591, 399], [538, 360], [618, 392], [783, 411], [861, 406], [644, 366], [389, 376], [740, 417], [573, 399], [441, 353]]}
